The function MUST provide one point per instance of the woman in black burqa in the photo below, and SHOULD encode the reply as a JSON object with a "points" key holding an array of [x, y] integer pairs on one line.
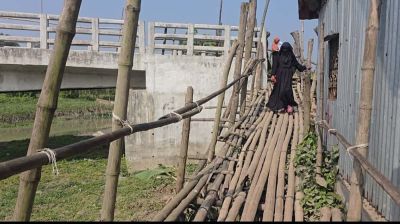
{"points": [[283, 68]]}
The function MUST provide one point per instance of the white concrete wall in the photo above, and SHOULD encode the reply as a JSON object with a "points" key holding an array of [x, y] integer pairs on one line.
{"points": [[167, 78]]}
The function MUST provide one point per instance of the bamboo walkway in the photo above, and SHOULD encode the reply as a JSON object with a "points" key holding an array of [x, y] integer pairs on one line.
{"points": [[252, 177]]}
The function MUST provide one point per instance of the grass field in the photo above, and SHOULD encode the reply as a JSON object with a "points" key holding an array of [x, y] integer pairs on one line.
{"points": [[19, 110], [76, 194]]}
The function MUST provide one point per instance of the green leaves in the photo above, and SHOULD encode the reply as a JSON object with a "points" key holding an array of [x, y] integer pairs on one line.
{"points": [[316, 196]]}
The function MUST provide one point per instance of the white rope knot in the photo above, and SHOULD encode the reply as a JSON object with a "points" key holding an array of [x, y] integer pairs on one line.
{"points": [[199, 108], [125, 123], [177, 115], [332, 130], [51, 155], [357, 147]]}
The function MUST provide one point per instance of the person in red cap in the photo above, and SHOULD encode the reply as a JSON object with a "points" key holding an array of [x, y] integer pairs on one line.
{"points": [[275, 54]]}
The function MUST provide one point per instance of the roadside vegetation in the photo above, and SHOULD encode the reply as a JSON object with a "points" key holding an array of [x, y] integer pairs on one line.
{"points": [[315, 195], [18, 109], [76, 193]]}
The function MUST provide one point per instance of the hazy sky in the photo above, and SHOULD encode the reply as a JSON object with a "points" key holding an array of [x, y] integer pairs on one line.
{"points": [[282, 17]]}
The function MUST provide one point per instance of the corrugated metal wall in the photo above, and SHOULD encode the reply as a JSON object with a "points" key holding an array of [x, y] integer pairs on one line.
{"points": [[349, 19]]}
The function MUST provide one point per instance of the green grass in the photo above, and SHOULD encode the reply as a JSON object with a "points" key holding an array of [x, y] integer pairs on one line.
{"points": [[19, 110], [76, 194]]}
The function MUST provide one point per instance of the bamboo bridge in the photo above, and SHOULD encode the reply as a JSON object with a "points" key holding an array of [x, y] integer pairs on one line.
{"points": [[247, 172]]}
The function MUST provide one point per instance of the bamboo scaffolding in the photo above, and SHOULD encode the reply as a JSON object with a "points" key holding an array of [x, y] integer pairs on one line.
{"points": [[46, 106]]}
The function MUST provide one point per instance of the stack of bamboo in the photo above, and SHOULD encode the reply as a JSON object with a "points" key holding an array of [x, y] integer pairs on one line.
{"points": [[251, 178]]}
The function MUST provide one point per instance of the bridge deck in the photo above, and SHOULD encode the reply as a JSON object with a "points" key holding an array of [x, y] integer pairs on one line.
{"points": [[248, 178]]}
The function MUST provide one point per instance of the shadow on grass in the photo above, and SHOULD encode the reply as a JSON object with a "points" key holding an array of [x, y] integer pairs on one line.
{"points": [[14, 149]]}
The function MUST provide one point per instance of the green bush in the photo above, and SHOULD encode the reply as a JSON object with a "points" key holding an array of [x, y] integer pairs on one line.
{"points": [[315, 195]]}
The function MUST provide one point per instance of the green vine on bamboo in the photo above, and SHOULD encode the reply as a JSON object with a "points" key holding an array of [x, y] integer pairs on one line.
{"points": [[316, 196]]}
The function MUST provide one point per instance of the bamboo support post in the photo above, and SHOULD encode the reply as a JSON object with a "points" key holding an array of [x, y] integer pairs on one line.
{"points": [[307, 87], [221, 97], [46, 106], [184, 144], [125, 63], [256, 85], [273, 173], [251, 22], [298, 209], [364, 112], [238, 63], [318, 163], [321, 59]]}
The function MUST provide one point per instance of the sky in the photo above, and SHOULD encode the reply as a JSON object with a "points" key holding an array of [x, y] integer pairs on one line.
{"points": [[282, 16]]}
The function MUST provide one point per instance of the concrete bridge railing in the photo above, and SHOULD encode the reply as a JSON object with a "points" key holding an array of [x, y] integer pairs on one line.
{"points": [[31, 30]]}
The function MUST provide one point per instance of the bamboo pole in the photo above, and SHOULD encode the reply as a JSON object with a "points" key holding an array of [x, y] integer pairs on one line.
{"points": [[325, 214], [251, 206], [46, 106], [336, 215], [237, 203], [318, 163], [273, 172], [257, 80], [288, 213], [321, 61], [238, 63], [256, 85], [365, 108], [280, 188], [211, 196], [307, 87], [264, 153], [125, 63], [251, 23], [253, 165], [249, 156], [184, 144], [235, 179], [298, 209], [221, 97]]}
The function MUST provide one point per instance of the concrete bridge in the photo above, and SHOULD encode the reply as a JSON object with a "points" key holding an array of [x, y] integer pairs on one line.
{"points": [[172, 57]]}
